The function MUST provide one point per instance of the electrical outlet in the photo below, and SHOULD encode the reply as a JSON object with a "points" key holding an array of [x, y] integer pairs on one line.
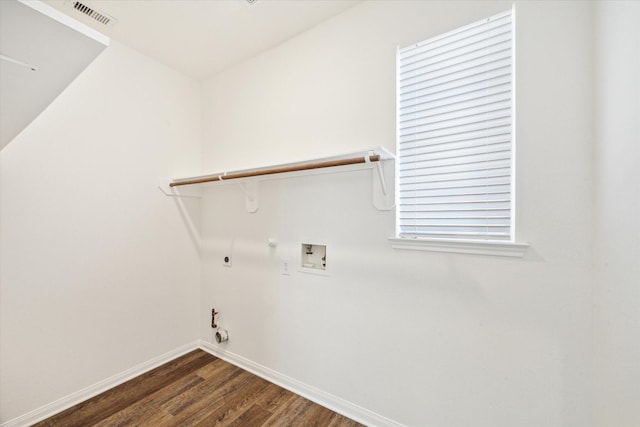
{"points": [[226, 261], [285, 267]]}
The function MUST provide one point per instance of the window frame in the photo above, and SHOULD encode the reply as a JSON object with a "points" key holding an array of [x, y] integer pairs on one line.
{"points": [[477, 246]]}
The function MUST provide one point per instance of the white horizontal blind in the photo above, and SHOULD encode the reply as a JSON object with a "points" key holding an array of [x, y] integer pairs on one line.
{"points": [[455, 134]]}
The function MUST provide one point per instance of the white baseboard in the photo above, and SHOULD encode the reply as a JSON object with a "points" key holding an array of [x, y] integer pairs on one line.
{"points": [[336, 404], [66, 402]]}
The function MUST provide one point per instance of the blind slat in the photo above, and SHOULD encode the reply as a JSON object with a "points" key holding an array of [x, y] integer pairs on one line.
{"points": [[469, 138], [450, 104], [491, 110], [419, 94], [461, 34], [456, 145], [440, 58], [483, 58], [459, 77]]}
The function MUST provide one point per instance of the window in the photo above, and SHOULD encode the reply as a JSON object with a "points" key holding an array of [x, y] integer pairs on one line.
{"points": [[455, 135]]}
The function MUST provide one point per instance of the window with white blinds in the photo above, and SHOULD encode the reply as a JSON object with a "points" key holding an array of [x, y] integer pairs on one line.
{"points": [[455, 147]]}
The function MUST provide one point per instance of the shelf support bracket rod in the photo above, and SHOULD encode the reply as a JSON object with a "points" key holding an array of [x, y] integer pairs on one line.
{"points": [[383, 182]]}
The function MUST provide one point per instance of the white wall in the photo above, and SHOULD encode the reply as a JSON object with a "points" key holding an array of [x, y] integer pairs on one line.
{"points": [[98, 272], [617, 191], [425, 339]]}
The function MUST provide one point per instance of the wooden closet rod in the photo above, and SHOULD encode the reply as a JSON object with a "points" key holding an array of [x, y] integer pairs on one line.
{"points": [[271, 171]]}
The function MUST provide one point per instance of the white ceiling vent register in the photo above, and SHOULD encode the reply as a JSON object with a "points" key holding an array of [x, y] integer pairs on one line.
{"points": [[93, 13]]}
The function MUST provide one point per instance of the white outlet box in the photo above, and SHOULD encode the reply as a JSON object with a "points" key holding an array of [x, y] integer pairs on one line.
{"points": [[313, 256], [226, 261], [313, 259]]}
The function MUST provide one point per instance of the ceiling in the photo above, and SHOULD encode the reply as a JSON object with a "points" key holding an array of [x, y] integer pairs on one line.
{"points": [[202, 37], [196, 37], [32, 73]]}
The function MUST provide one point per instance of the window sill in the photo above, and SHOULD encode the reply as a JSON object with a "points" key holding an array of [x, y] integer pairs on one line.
{"points": [[504, 249]]}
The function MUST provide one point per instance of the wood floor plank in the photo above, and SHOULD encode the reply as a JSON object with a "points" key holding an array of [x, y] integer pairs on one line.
{"points": [[150, 405], [104, 405], [342, 421], [316, 415], [209, 390], [213, 369], [290, 413], [215, 402], [273, 397], [197, 389], [236, 402], [254, 416]]}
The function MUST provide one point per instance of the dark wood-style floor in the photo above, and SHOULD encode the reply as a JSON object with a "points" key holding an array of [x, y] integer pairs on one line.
{"points": [[197, 389]]}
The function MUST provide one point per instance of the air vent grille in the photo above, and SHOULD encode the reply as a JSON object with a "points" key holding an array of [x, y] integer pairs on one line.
{"points": [[94, 14]]}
